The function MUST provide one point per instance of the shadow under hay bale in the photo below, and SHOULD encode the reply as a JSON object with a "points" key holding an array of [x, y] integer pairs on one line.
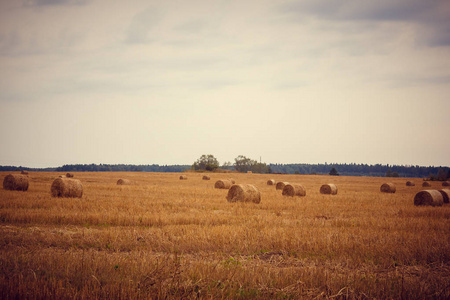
{"points": [[410, 183], [206, 177], [271, 182], [429, 197], [292, 190], [280, 185], [16, 182], [69, 175], [329, 189], [244, 193], [388, 188], [183, 177], [445, 195], [67, 187], [426, 184], [124, 182], [223, 184]]}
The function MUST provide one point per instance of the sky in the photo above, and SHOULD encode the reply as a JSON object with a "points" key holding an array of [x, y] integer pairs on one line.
{"points": [[163, 82]]}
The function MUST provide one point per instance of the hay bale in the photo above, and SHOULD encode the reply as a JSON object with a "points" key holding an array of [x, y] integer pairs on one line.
{"points": [[270, 182], [426, 184], [183, 177], [69, 175], [62, 176], [280, 185], [232, 180], [446, 183], [328, 189], [15, 182], [445, 195], [24, 172], [67, 187], [292, 190], [410, 183], [388, 187], [223, 184], [123, 182], [244, 193], [429, 197], [206, 177]]}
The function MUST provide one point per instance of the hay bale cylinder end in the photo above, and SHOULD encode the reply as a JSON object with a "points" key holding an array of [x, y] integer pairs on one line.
{"points": [[429, 197], [244, 193], [410, 183], [388, 188], [426, 184], [67, 188], [206, 177], [292, 190], [329, 189], [280, 185], [183, 177], [445, 195], [223, 184], [123, 182], [271, 182], [16, 182]]}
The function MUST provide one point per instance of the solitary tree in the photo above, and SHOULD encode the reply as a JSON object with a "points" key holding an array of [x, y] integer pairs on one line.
{"points": [[243, 164], [334, 172], [206, 162]]}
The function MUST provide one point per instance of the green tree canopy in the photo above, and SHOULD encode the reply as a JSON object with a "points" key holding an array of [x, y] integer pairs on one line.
{"points": [[206, 162], [334, 172], [243, 164]]}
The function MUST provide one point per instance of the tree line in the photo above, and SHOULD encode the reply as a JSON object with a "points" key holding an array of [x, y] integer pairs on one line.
{"points": [[208, 162]]}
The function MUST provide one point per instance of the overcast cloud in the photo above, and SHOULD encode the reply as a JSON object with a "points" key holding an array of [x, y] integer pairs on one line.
{"points": [[143, 82]]}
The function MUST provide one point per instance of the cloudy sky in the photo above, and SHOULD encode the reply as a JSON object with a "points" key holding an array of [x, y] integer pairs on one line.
{"points": [[143, 82]]}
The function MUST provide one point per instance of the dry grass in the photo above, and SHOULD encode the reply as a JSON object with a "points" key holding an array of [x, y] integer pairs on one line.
{"points": [[166, 238]]}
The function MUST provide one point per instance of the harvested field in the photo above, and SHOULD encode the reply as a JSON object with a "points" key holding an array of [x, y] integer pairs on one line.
{"points": [[166, 238]]}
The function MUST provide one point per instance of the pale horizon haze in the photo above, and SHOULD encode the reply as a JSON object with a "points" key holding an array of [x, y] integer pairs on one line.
{"points": [[163, 82]]}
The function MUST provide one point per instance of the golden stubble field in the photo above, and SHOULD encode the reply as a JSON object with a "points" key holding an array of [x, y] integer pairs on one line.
{"points": [[170, 238]]}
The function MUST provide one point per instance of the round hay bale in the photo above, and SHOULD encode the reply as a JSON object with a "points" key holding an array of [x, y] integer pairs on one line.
{"points": [[24, 172], [429, 197], [410, 183], [123, 182], [206, 177], [446, 183], [183, 177], [69, 175], [223, 184], [15, 182], [270, 182], [280, 185], [232, 180], [244, 193], [292, 190], [67, 187], [445, 195], [328, 189], [388, 187], [426, 184]]}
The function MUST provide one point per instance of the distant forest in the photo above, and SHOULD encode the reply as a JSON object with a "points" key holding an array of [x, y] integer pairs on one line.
{"points": [[378, 170]]}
